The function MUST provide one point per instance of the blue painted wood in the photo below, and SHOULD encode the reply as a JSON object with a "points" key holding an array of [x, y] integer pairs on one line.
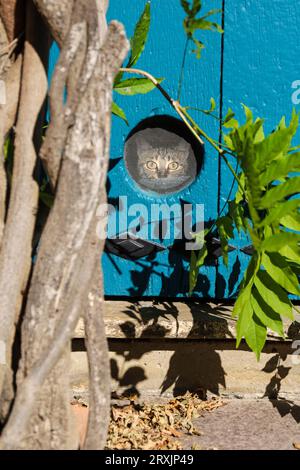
{"points": [[167, 274], [261, 57], [261, 53]]}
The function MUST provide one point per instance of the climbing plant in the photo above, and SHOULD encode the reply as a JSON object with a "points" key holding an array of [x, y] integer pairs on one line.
{"points": [[266, 208], [266, 204]]}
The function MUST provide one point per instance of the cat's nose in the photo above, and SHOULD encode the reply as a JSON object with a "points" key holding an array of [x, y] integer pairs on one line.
{"points": [[162, 174]]}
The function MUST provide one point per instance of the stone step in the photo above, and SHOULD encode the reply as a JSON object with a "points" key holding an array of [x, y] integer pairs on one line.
{"points": [[174, 320], [167, 348]]}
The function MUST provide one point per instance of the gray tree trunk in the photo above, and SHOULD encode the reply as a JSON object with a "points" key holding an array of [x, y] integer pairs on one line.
{"points": [[66, 279]]}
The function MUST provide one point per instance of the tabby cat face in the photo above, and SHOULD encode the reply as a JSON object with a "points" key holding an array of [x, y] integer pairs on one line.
{"points": [[161, 163]]}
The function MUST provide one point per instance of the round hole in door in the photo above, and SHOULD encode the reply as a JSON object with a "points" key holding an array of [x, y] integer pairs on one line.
{"points": [[162, 155]]}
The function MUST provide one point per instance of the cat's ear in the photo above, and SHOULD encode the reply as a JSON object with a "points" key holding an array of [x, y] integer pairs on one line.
{"points": [[183, 147], [142, 145]]}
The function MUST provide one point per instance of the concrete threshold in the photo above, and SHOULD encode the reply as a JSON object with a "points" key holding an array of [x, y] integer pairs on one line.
{"points": [[162, 349]]}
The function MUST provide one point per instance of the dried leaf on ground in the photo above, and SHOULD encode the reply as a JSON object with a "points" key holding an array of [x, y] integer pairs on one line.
{"points": [[156, 426]]}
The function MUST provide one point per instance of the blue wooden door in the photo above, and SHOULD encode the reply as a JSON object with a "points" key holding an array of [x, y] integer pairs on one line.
{"points": [[254, 62], [166, 273]]}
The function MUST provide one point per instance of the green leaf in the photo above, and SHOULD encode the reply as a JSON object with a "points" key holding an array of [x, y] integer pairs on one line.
{"points": [[192, 10], [117, 111], [230, 124], [191, 24], [279, 192], [277, 267], [259, 134], [200, 23], [280, 168], [212, 104], [193, 273], [201, 256], [185, 5], [248, 113], [241, 188], [295, 267], [275, 242], [282, 123], [197, 260], [212, 107], [291, 221], [291, 252], [236, 212], [118, 78], [256, 335], [248, 324], [214, 11], [245, 291], [135, 86], [276, 143], [225, 228], [139, 38], [267, 316], [197, 5], [199, 46], [279, 211], [243, 309], [273, 294], [230, 114]]}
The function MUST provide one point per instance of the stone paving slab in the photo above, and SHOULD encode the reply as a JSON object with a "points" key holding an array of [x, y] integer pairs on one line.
{"points": [[248, 425]]}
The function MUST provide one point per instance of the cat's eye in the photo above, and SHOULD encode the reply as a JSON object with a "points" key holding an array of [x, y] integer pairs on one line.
{"points": [[173, 166], [151, 165]]}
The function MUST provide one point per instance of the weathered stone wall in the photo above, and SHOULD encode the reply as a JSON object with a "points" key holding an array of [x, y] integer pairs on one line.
{"points": [[170, 348]]}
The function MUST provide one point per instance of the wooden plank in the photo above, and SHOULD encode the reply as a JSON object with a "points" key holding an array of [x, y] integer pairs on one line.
{"points": [[261, 55], [167, 274]]}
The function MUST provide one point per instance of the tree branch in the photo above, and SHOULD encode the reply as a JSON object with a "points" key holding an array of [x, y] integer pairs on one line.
{"points": [[175, 104], [12, 14], [8, 114], [17, 238], [57, 16], [98, 360], [69, 250]]}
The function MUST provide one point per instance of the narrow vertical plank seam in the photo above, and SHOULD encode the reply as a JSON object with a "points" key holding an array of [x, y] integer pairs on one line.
{"points": [[221, 105], [220, 131]]}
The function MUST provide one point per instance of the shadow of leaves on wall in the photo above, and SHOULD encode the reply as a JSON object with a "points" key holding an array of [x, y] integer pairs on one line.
{"points": [[283, 406], [187, 370]]}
